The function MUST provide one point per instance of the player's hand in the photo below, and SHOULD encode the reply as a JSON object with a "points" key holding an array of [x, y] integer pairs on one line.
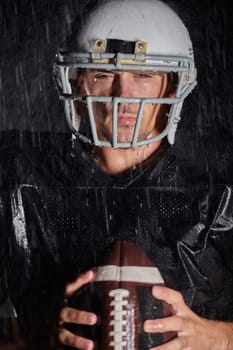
{"points": [[193, 332], [70, 315]]}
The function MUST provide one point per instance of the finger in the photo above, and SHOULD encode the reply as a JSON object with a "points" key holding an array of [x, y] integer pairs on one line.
{"points": [[167, 324], [71, 315], [69, 339], [81, 280], [171, 296]]}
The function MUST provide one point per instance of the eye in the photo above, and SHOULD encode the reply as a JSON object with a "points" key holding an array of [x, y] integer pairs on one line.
{"points": [[102, 76]]}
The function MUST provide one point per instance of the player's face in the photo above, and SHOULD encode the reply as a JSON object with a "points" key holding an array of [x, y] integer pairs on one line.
{"points": [[135, 84]]}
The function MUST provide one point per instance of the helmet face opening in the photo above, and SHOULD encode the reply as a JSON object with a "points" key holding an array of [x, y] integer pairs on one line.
{"points": [[70, 67], [130, 95]]}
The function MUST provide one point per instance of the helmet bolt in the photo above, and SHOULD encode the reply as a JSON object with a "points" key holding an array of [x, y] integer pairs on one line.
{"points": [[99, 43]]}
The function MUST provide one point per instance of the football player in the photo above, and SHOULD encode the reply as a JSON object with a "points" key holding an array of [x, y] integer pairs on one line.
{"points": [[123, 84]]}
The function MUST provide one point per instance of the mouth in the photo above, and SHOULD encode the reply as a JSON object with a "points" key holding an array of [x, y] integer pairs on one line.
{"points": [[126, 119]]}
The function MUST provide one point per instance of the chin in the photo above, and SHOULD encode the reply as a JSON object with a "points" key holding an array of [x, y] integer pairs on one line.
{"points": [[121, 137]]}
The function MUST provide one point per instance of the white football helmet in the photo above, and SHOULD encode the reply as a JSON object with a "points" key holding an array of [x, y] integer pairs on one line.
{"points": [[127, 35]]}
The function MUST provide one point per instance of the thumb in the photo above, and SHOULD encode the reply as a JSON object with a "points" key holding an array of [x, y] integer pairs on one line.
{"points": [[80, 281]]}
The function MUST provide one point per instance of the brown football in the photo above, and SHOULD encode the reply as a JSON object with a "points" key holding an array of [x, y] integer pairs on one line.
{"points": [[121, 297]]}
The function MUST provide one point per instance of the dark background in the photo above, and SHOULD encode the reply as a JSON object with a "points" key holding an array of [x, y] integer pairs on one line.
{"points": [[32, 30]]}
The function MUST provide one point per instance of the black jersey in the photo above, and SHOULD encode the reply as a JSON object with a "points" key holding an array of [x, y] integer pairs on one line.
{"points": [[61, 212]]}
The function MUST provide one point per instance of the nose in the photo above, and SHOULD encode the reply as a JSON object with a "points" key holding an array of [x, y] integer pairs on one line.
{"points": [[122, 86]]}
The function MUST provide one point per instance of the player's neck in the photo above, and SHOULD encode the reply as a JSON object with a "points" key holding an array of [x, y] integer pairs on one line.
{"points": [[117, 161]]}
